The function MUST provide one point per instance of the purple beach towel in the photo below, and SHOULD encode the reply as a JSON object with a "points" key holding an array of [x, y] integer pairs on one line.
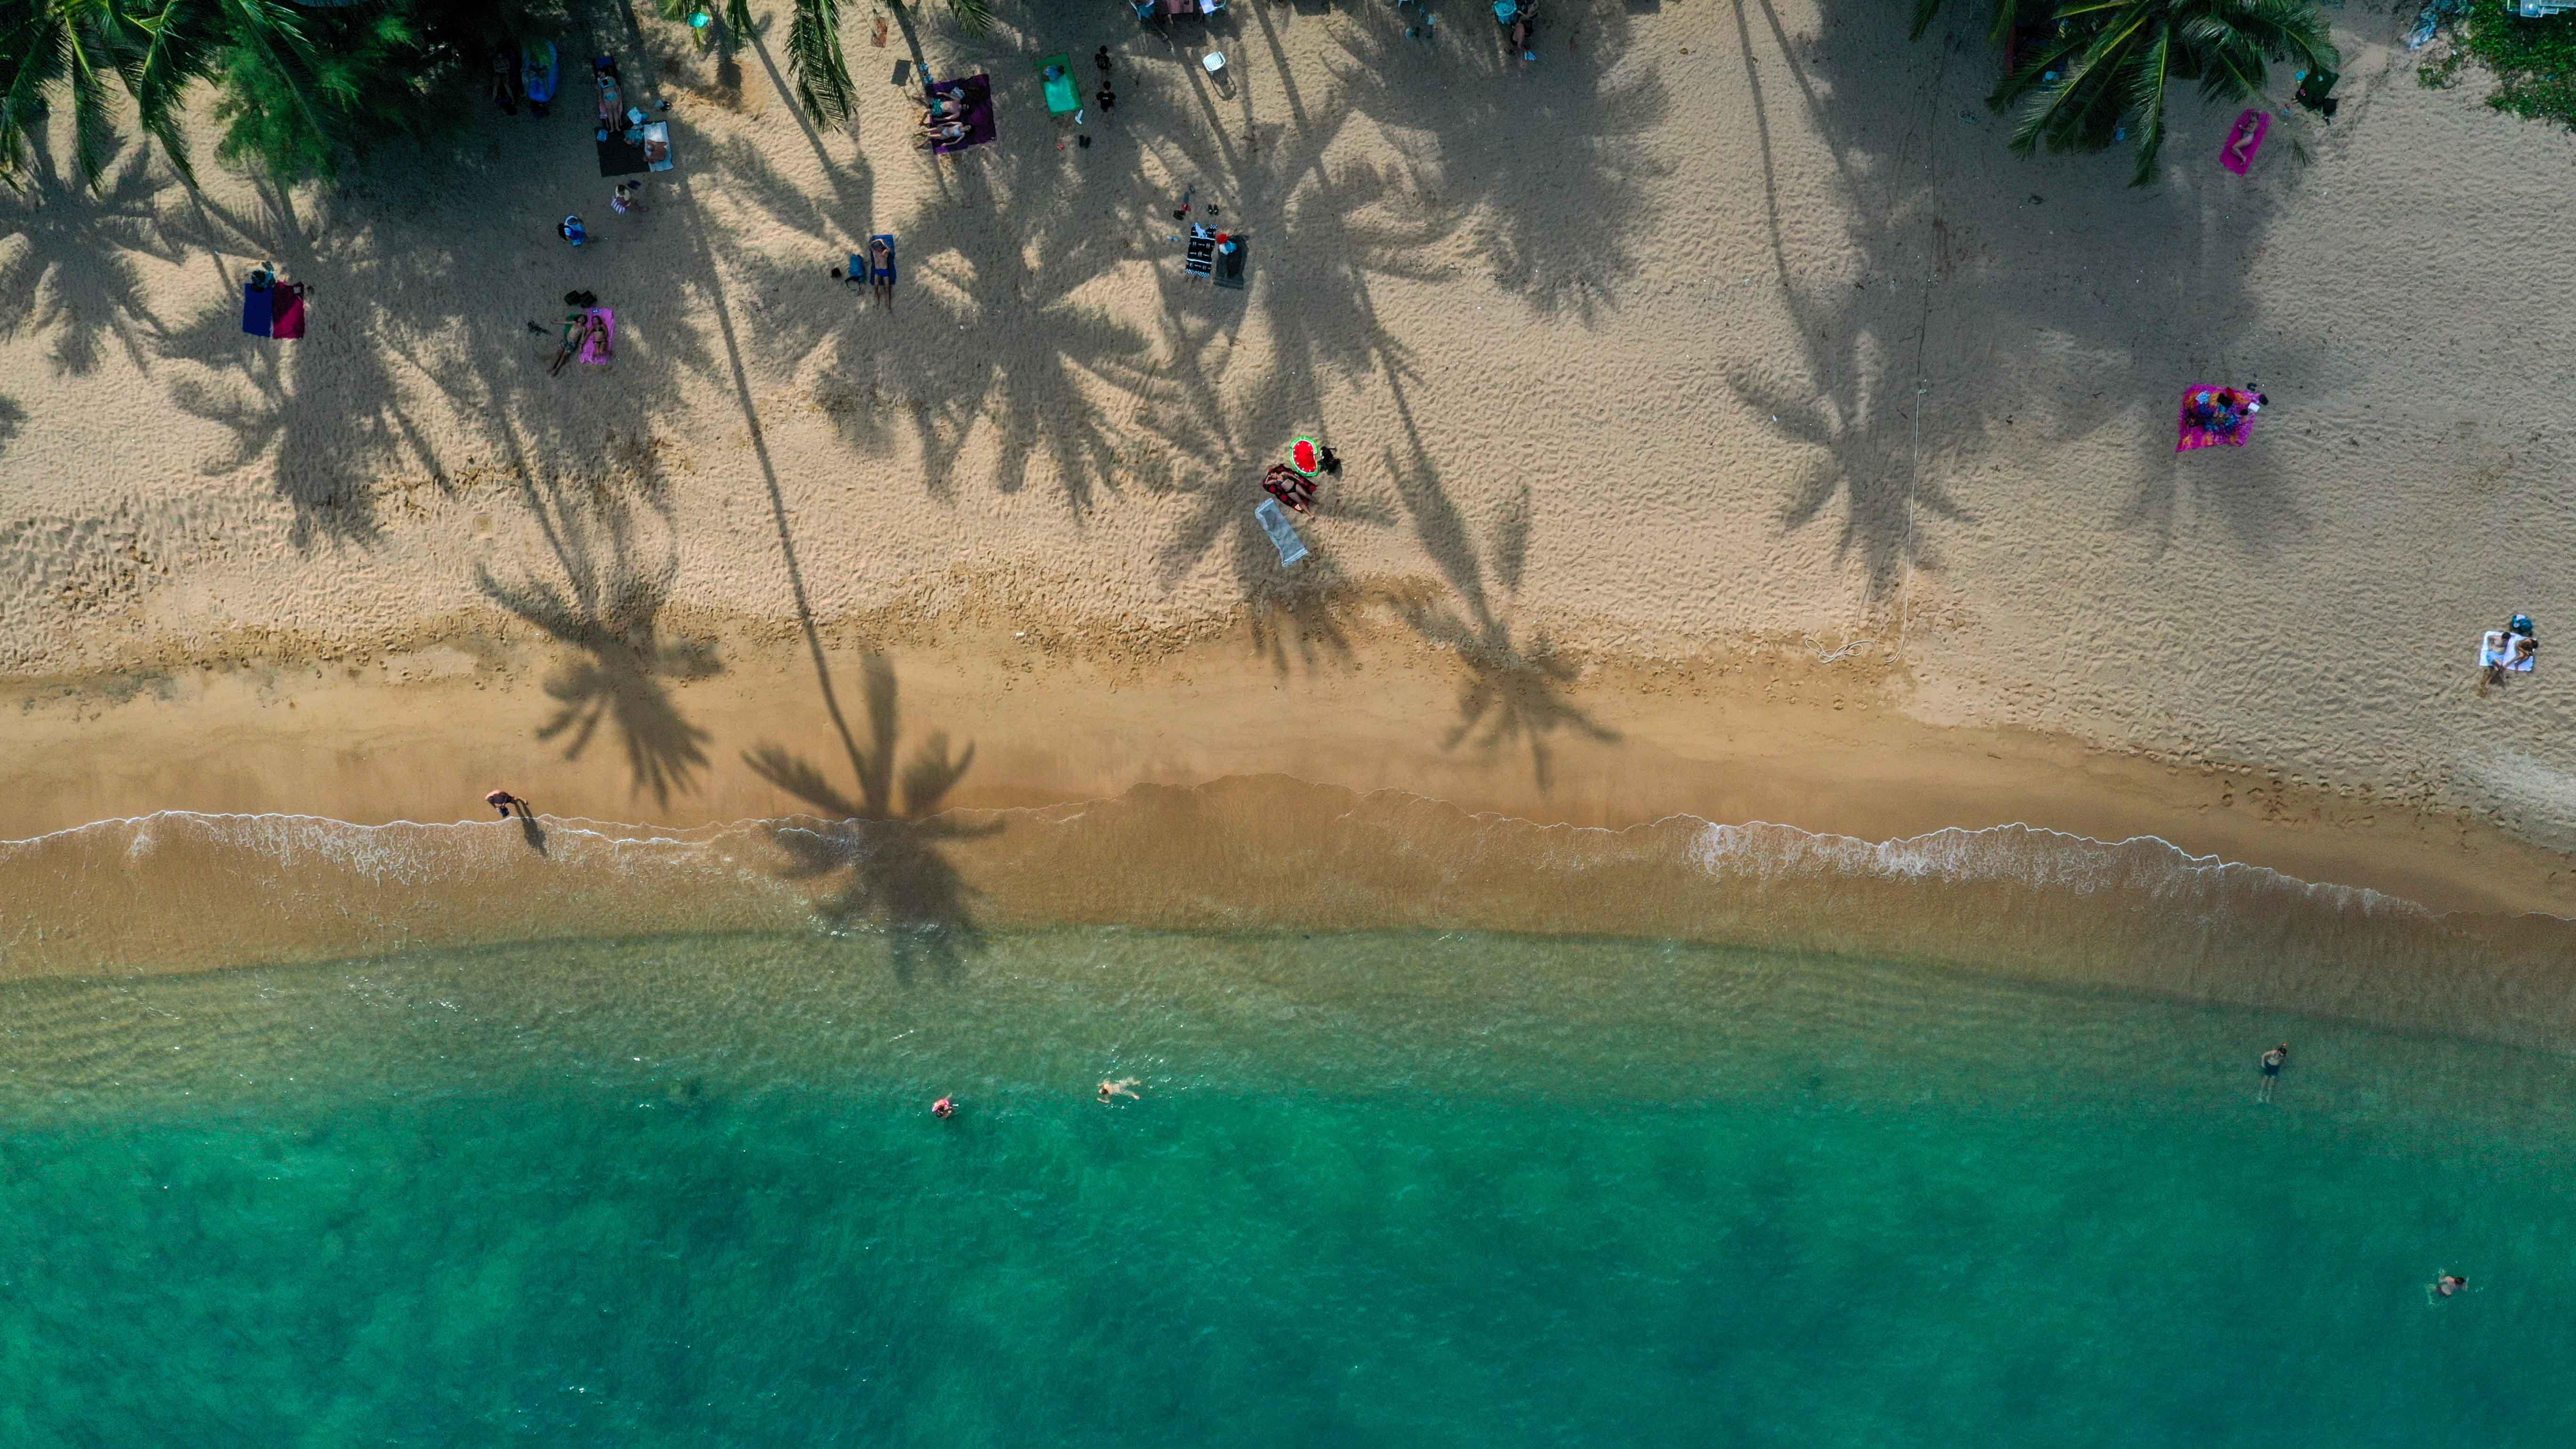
{"points": [[980, 127], [2190, 435]]}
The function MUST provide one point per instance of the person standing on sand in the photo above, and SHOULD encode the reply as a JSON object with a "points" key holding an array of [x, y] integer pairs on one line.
{"points": [[2272, 1062], [1123, 1087], [502, 800]]}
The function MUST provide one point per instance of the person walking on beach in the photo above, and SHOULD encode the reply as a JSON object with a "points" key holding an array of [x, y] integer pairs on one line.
{"points": [[2272, 1062], [502, 800], [1123, 1087], [629, 197]]}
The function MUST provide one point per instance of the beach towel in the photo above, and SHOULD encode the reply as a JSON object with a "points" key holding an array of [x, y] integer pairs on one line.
{"points": [[600, 347], [978, 116], [1200, 259], [259, 308], [2496, 646], [289, 303], [2238, 154], [1229, 264], [537, 71], [2191, 435], [1063, 97], [1283, 534], [885, 273], [636, 150]]}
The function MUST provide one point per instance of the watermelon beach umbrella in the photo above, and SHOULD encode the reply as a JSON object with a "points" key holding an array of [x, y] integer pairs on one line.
{"points": [[1306, 456]]}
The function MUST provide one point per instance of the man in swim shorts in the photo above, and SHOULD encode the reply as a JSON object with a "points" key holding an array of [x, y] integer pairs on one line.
{"points": [[2272, 1062], [1123, 1087]]}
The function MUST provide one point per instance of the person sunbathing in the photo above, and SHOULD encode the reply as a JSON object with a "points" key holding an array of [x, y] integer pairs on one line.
{"points": [[944, 109], [942, 135], [1288, 486], [577, 330]]}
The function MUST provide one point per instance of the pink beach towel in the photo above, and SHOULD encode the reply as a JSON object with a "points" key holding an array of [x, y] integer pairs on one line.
{"points": [[2190, 435], [2238, 154], [290, 311], [600, 346]]}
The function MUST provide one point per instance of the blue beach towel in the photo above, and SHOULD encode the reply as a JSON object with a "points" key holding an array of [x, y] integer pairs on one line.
{"points": [[259, 308], [1283, 534]]}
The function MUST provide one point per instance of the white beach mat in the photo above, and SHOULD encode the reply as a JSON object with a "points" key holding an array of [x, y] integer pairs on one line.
{"points": [[1283, 534]]}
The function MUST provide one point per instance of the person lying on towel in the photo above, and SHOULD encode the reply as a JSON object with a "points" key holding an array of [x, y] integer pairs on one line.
{"points": [[2502, 651]]}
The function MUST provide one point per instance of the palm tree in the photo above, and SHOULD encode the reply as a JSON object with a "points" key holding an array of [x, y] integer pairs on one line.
{"points": [[2116, 59], [823, 87], [154, 47]]}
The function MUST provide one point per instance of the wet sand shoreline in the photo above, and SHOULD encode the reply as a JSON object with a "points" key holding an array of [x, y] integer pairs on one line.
{"points": [[1759, 734]]}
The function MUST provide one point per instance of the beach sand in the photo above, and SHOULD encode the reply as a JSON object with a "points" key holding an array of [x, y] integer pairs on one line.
{"points": [[1732, 427]]}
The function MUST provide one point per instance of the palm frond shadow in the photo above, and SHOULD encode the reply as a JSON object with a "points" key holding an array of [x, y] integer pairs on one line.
{"points": [[66, 263], [883, 846], [1515, 690], [607, 610], [2053, 259]]}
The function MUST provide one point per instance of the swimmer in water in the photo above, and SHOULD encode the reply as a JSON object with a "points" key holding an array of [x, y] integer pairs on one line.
{"points": [[944, 1108], [2445, 1285], [2272, 1063], [1123, 1087]]}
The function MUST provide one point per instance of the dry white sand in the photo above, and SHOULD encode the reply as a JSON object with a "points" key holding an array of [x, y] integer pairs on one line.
{"points": [[1718, 328]]}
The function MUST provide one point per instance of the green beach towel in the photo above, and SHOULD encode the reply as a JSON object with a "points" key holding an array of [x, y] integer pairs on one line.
{"points": [[1056, 74]]}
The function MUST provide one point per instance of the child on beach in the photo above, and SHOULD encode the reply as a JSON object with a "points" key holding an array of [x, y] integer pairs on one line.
{"points": [[571, 230], [629, 197]]}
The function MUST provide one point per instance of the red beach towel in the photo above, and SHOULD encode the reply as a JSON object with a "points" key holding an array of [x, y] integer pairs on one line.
{"points": [[290, 311]]}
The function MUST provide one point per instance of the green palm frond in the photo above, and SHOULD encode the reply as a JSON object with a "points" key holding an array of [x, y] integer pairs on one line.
{"points": [[2146, 100], [2118, 60], [823, 86], [976, 16], [32, 60]]}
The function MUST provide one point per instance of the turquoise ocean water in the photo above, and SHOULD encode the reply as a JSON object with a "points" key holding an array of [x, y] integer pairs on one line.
{"points": [[1405, 1188]]}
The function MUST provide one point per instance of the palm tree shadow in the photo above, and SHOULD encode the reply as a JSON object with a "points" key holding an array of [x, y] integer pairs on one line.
{"points": [[1514, 691], [608, 610], [885, 845], [69, 272]]}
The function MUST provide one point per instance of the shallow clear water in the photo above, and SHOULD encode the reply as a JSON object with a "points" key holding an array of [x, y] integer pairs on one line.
{"points": [[1397, 1188]]}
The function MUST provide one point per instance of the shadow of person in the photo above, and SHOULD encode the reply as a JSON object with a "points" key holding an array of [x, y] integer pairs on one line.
{"points": [[532, 832], [887, 842]]}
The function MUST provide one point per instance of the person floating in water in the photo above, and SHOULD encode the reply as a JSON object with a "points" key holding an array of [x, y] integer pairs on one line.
{"points": [[2445, 1285], [944, 1108], [1123, 1087], [502, 800], [2272, 1063]]}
